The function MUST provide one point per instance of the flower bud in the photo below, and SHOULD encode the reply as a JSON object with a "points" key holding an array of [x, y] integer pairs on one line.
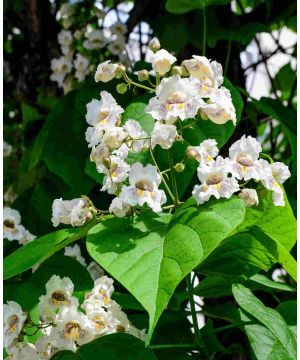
{"points": [[154, 44], [143, 75], [191, 152], [121, 69], [249, 196], [122, 88], [177, 70], [179, 167]]}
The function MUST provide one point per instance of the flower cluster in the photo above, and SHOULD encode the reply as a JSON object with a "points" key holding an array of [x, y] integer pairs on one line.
{"points": [[79, 47], [191, 91], [12, 228], [64, 325], [219, 176]]}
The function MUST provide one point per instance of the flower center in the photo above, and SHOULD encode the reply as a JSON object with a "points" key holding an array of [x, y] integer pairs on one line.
{"points": [[244, 160], [214, 179], [13, 323], [176, 98], [9, 224], [144, 186], [104, 296], [120, 328], [59, 298], [73, 331], [99, 321]]}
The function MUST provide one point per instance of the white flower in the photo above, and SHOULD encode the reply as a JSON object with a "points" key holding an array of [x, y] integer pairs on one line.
{"points": [[60, 68], [219, 108], [81, 65], [143, 188], [162, 61], [27, 238], [137, 136], [66, 10], [203, 69], [13, 319], [75, 252], [154, 44], [273, 175], [96, 40], [249, 196], [102, 291], [116, 173], [94, 135], [23, 351], [10, 195], [70, 212], [123, 324], [215, 181], [65, 38], [244, 154], [12, 229], [95, 270], [119, 208], [106, 71], [279, 275], [45, 348], [175, 97], [58, 296], [122, 151], [7, 149], [105, 112], [118, 28], [103, 321], [140, 334], [117, 47], [163, 135], [205, 152], [99, 153], [114, 137], [73, 328]]}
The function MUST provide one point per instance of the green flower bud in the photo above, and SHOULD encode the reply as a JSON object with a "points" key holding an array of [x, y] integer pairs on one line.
{"points": [[122, 88], [177, 70], [143, 75], [179, 167]]}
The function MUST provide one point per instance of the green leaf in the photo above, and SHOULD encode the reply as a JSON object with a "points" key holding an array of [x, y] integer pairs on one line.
{"points": [[65, 148], [29, 113], [270, 318], [116, 347], [288, 310], [261, 282], [151, 260], [110, 347], [41, 249], [183, 6], [278, 222]]}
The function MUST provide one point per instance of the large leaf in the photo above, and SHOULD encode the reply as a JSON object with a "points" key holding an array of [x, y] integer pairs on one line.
{"points": [[270, 318], [110, 347], [151, 260], [276, 221], [41, 249], [183, 6]]}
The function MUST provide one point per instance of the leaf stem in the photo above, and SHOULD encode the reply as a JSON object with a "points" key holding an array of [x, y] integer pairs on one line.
{"points": [[162, 177], [227, 57], [173, 178], [198, 336]]}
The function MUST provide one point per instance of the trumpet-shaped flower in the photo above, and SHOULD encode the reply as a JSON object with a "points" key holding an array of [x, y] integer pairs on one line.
{"points": [[143, 188], [163, 135], [96, 40], [137, 137], [75, 252], [205, 152], [105, 112], [249, 196], [215, 181], [13, 319], [106, 71], [119, 208], [81, 65], [219, 108], [12, 229], [244, 154], [70, 212], [58, 296], [162, 61], [175, 98]]}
